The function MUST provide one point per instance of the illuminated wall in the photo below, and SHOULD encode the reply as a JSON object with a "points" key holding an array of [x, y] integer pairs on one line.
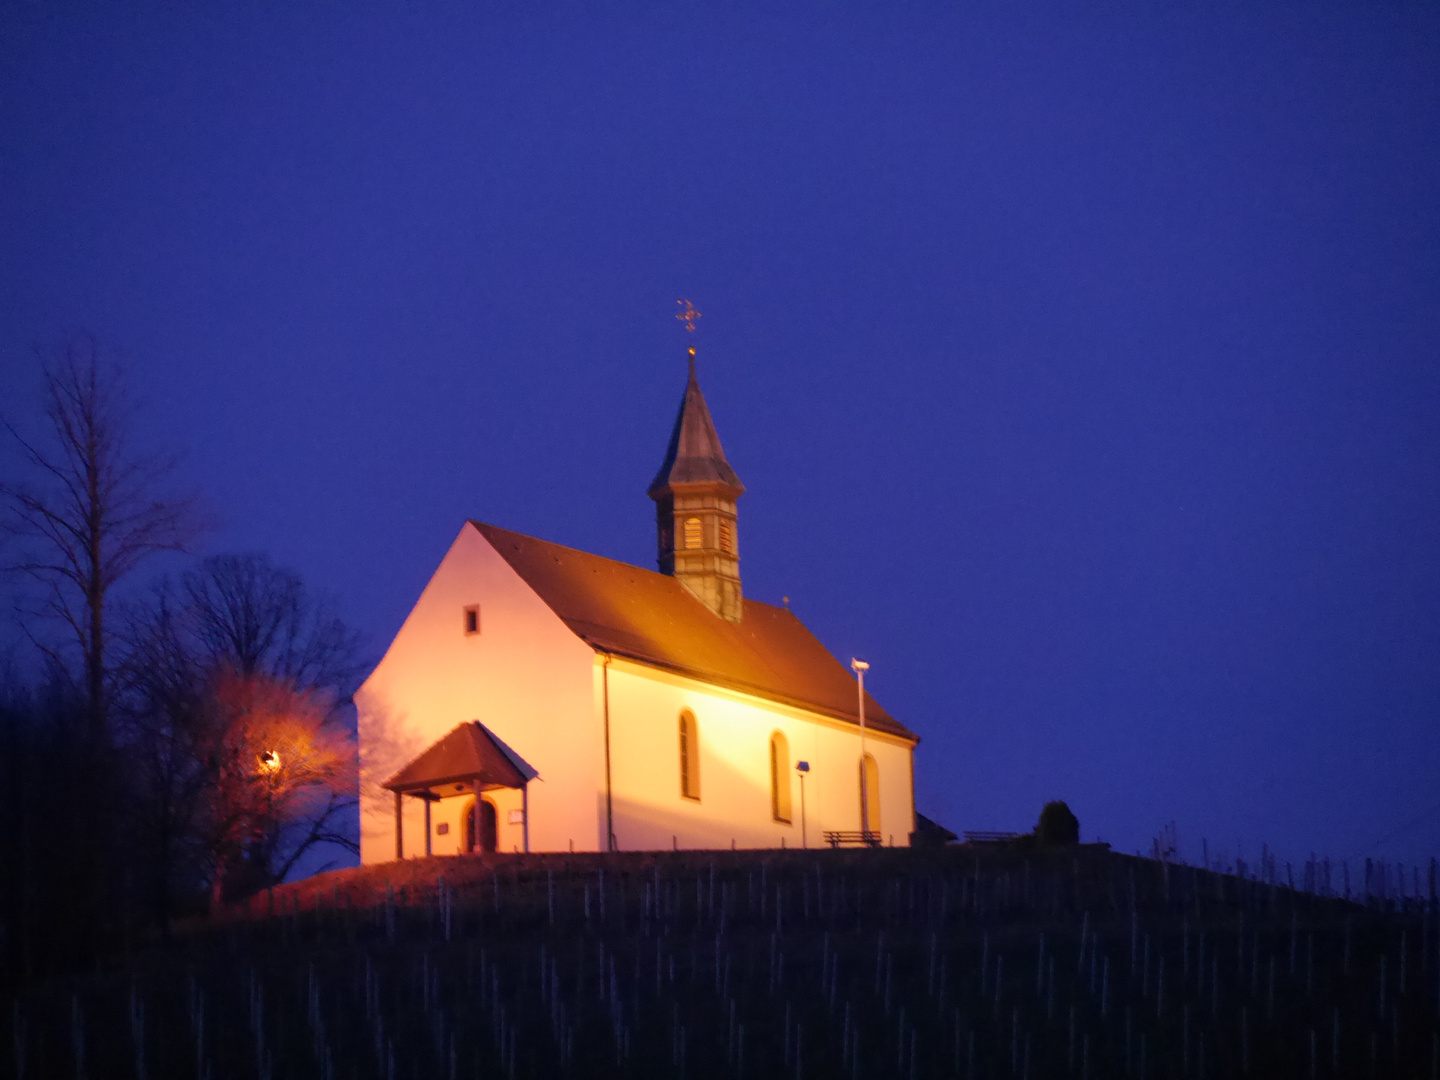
{"points": [[734, 736], [524, 675]]}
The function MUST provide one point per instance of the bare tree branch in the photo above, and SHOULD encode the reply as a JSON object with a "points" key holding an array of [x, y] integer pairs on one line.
{"points": [[92, 512]]}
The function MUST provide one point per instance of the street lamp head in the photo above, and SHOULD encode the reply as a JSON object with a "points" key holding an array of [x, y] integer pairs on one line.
{"points": [[802, 766], [859, 665]]}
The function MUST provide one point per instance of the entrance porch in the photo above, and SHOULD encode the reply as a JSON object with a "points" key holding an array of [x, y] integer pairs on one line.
{"points": [[468, 763]]}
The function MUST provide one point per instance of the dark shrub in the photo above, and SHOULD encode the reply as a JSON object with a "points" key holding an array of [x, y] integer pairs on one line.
{"points": [[1058, 827]]}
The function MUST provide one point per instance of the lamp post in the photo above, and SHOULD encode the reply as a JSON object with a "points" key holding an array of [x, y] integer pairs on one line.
{"points": [[860, 667], [803, 767]]}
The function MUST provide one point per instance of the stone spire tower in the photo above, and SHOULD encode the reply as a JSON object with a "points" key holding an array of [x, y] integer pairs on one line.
{"points": [[695, 492]]}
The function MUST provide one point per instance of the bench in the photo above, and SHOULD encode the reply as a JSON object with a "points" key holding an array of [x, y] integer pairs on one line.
{"points": [[863, 839], [973, 836]]}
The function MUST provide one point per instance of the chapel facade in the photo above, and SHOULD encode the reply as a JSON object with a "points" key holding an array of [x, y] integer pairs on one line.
{"points": [[540, 698]]}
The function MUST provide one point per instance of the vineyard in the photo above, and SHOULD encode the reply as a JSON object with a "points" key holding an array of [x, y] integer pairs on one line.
{"points": [[951, 963]]}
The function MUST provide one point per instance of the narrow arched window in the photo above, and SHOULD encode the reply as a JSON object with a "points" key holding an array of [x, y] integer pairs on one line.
{"points": [[689, 756], [780, 778], [727, 536], [692, 533], [869, 795]]}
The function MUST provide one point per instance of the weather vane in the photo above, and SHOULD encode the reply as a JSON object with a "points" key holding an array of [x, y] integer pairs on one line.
{"points": [[687, 314]]}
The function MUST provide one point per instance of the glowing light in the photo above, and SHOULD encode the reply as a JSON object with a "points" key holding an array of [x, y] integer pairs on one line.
{"points": [[270, 761]]}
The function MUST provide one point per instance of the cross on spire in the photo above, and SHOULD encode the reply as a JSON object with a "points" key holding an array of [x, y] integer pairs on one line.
{"points": [[687, 314]]}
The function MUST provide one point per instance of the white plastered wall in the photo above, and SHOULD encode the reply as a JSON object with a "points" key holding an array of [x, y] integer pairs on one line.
{"points": [[525, 675], [734, 736]]}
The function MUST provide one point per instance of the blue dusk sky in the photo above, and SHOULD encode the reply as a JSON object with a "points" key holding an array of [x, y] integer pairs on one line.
{"points": [[1080, 359]]}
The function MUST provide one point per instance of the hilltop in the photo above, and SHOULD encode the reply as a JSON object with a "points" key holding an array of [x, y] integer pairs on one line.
{"points": [[989, 962]]}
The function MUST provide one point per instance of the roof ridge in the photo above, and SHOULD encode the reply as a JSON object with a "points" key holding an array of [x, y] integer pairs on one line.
{"points": [[747, 600], [482, 525], [651, 618]]}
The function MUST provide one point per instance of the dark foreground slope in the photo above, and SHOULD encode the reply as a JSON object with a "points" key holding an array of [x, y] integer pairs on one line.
{"points": [[950, 963]]}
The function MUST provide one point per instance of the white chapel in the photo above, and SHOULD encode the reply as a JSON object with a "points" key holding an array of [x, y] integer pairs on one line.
{"points": [[540, 698]]}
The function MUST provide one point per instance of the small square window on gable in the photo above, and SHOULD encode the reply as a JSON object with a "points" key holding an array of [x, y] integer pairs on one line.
{"points": [[472, 619]]}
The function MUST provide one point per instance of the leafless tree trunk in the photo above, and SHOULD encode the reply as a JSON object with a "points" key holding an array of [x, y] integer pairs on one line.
{"points": [[92, 511]]}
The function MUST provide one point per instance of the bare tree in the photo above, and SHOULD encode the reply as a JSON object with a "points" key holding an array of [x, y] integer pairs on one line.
{"points": [[282, 775], [92, 512], [235, 681], [258, 618], [164, 740]]}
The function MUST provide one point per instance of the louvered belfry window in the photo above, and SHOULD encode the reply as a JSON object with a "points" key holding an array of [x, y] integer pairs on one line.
{"points": [[692, 533], [727, 536]]}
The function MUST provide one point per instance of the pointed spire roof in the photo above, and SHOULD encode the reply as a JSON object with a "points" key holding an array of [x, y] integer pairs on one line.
{"points": [[694, 455]]}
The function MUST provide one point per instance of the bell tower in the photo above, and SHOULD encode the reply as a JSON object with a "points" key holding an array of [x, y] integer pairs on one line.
{"points": [[695, 492]]}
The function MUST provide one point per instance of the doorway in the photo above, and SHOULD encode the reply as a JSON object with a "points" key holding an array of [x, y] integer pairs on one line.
{"points": [[484, 842]]}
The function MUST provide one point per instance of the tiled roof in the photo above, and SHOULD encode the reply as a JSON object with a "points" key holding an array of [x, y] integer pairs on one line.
{"points": [[470, 752], [651, 618]]}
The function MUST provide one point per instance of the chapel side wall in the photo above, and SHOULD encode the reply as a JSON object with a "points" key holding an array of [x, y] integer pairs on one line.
{"points": [[525, 675], [734, 800]]}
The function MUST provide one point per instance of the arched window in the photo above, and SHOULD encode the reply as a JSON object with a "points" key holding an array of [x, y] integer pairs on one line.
{"points": [[692, 533], [689, 756], [870, 794], [780, 778], [727, 536]]}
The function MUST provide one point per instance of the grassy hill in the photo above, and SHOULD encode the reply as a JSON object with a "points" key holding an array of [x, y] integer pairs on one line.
{"points": [[992, 962]]}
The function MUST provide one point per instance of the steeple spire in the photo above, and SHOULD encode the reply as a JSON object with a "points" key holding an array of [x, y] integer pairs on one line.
{"points": [[695, 492], [694, 454]]}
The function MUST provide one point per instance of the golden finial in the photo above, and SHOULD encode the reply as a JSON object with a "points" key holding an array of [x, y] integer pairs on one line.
{"points": [[687, 314]]}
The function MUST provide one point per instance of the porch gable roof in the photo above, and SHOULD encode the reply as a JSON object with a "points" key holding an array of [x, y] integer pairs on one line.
{"points": [[470, 752]]}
